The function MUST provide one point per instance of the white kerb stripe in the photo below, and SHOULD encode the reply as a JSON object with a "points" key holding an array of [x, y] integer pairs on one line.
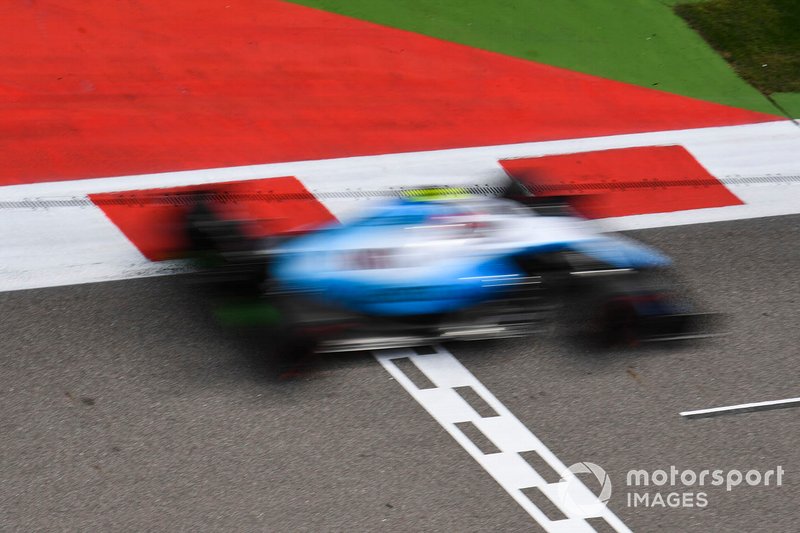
{"points": [[506, 432]]}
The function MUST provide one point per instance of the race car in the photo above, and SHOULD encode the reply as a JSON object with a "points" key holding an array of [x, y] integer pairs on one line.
{"points": [[437, 265]]}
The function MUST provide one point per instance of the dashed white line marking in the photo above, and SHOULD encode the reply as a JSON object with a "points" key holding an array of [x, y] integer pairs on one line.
{"points": [[509, 436]]}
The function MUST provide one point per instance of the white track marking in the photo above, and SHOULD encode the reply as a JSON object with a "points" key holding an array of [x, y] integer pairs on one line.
{"points": [[42, 247], [506, 432], [742, 408], [79, 244]]}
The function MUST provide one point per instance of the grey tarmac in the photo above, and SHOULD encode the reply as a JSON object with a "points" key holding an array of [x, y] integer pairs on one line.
{"points": [[126, 408]]}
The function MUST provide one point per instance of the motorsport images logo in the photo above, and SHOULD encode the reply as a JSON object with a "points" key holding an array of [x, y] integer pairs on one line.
{"points": [[668, 488], [574, 495]]}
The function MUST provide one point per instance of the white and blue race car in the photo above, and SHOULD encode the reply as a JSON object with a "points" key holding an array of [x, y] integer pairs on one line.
{"points": [[435, 266]]}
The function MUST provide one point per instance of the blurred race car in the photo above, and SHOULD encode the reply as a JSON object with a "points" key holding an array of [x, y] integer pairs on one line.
{"points": [[437, 265]]}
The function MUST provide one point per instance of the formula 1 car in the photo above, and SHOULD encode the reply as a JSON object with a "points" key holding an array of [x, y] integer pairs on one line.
{"points": [[437, 265]]}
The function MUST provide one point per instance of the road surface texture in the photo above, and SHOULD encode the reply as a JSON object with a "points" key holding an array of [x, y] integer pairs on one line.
{"points": [[125, 407]]}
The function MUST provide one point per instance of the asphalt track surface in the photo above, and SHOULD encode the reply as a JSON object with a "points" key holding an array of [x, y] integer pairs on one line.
{"points": [[125, 407]]}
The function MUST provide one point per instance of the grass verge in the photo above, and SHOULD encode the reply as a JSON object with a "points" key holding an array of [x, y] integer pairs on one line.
{"points": [[759, 38]]}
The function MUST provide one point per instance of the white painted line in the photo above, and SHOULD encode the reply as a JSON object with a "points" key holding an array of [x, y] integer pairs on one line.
{"points": [[742, 408], [507, 433], [68, 246]]}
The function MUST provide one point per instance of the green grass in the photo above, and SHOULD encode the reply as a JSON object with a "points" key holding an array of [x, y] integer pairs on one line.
{"points": [[789, 102], [760, 38], [636, 41]]}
